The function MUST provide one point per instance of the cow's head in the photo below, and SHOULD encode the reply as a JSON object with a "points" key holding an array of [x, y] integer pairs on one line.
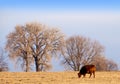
{"points": [[79, 75]]}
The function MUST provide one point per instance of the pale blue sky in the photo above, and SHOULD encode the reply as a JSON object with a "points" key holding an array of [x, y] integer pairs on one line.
{"points": [[97, 19]]}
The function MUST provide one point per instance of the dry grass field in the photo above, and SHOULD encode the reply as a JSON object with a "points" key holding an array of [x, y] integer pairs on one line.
{"points": [[57, 78]]}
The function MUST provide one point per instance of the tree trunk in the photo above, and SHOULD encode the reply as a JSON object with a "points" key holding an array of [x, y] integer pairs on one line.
{"points": [[26, 61], [36, 64], [27, 66]]}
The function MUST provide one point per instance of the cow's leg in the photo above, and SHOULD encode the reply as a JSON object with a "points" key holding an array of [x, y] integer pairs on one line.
{"points": [[94, 74], [79, 75], [90, 74], [84, 75]]}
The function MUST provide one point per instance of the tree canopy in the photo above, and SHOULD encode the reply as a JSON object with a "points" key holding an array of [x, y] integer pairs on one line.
{"points": [[34, 43]]}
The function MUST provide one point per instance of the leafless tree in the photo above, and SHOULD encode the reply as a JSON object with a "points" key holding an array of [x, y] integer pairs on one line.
{"points": [[35, 43], [100, 62], [80, 51], [3, 61], [111, 65], [17, 45], [45, 41], [104, 64]]}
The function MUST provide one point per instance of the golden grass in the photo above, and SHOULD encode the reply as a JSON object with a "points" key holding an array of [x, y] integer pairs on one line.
{"points": [[57, 78]]}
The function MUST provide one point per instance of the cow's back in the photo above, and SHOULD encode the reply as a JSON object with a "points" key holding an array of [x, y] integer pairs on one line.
{"points": [[91, 68]]}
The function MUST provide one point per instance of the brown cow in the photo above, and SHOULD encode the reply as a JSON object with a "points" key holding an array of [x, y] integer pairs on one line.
{"points": [[87, 69]]}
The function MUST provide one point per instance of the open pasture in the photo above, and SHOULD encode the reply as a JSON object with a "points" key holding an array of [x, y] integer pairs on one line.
{"points": [[58, 78]]}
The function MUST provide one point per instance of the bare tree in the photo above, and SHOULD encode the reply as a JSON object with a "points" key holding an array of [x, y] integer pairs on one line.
{"points": [[100, 62], [17, 45], [104, 64], [111, 65], [35, 43], [3, 63], [80, 51], [45, 41]]}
